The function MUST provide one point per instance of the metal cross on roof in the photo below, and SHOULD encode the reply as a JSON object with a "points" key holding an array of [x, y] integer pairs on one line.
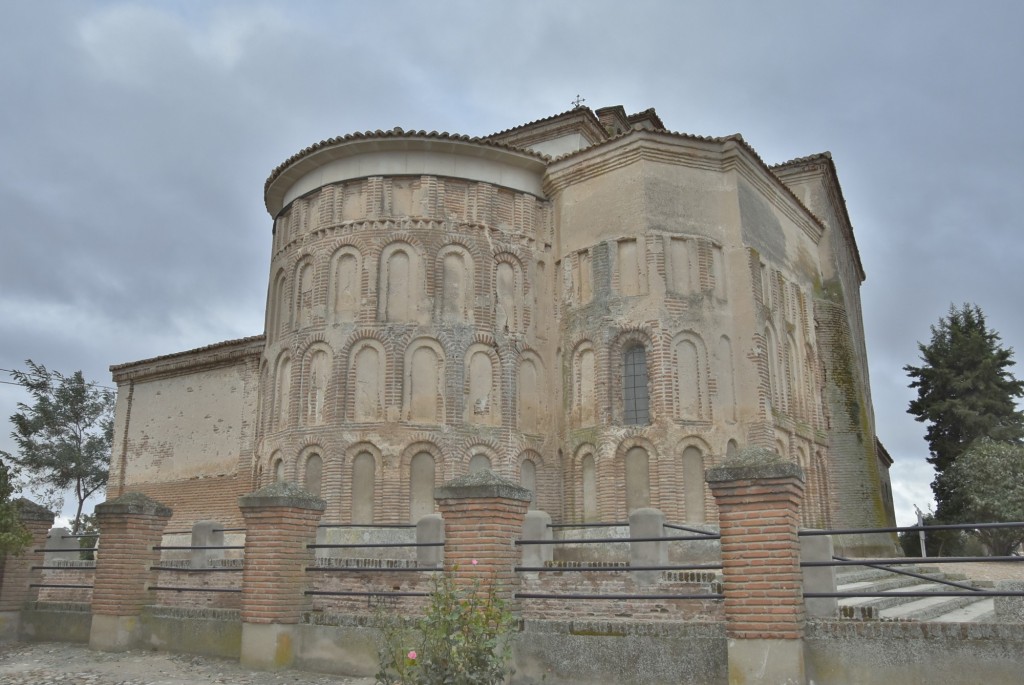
{"points": [[578, 102]]}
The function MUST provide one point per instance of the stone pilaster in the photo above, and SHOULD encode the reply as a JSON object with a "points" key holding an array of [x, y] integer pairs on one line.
{"points": [[280, 521], [758, 497], [16, 572], [483, 515], [130, 526]]}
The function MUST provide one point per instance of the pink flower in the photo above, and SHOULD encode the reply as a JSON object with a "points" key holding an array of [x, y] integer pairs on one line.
{"points": [[474, 562], [412, 655]]}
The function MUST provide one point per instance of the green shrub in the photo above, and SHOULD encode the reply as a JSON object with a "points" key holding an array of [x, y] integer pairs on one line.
{"points": [[462, 639]]}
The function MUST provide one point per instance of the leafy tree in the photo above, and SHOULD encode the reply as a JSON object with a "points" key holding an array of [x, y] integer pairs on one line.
{"points": [[965, 391], [13, 536], [987, 486], [64, 437]]}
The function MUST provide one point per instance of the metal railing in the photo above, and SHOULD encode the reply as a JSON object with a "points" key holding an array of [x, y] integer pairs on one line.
{"points": [[620, 568], [887, 564]]}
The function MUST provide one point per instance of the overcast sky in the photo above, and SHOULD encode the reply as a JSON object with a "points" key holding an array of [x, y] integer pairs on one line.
{"points": [[135, 139]]}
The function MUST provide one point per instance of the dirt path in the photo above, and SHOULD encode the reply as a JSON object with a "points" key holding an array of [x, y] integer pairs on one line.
{"points": [[52, 663]]}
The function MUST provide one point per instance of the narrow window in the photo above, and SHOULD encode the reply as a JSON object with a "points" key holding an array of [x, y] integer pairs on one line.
{"points": [[636, 400]]}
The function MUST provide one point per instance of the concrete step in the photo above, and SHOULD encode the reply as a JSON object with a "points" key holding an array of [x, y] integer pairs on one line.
{"points": [[896, 595], [925, 608], [979, 611]]}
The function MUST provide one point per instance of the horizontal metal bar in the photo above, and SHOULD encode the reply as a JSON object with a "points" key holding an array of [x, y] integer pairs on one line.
{"points": [[67, 551], [340, 593], [63, 568], [918, 593], [366, 525], [340, 569], [533, 595], [61, 585], [913, 529], [910, 560], [591, 541], [587, 525], [919, 576], [683, 567], [174, 588], [195, 547], [228, 530], [348, 545], [708, 534], [195, 570], [80, 535]]}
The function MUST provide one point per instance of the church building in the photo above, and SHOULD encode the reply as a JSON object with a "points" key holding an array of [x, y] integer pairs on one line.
{"points": [[589, 304]]}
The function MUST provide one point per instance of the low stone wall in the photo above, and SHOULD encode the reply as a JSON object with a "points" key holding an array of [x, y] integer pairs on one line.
{"points": [[611, 652], [619, 583], [887, 652]]}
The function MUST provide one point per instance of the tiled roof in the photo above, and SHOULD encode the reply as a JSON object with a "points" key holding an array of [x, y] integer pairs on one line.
{"points": [[208, 348], [576, 110], [396, 132]]}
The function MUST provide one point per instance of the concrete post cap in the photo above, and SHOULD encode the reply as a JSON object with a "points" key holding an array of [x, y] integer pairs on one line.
{"points": [[755, 463], [482, 484], [30, 511], [282, 494], [133, 503]]}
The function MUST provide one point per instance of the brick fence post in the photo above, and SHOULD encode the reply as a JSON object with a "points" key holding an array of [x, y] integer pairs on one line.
{"points": [[758, 499], [16, 574], [483, 515], [280, 521], [130, 526]]}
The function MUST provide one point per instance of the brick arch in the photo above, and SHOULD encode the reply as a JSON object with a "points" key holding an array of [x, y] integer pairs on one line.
{"points": [[492, 413], [620, 341], [347, 388], [684, 480], [617, 466], [416, 344], [347, 490], [489, 448]]}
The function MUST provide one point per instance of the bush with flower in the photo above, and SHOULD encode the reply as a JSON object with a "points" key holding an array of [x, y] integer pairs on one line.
{"points": [[463, 638]]}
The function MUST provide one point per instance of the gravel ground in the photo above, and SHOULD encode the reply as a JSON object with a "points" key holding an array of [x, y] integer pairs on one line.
{"points": [[52, 663], [987, 570]]}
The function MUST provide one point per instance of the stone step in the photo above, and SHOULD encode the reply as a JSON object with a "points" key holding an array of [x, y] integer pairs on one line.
{"points": [[896, 596], [979, 611], [926, 608], [857, 574]]}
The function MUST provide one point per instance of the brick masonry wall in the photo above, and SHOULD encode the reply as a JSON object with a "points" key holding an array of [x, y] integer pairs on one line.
{"points": [[75, 573], [619, 583], [274, 576], [16, 573], [761, 557], [482, 530], [123, 565]]}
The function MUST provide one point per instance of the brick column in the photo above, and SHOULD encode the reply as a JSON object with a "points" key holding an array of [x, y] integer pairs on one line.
{"points": [[130, 526], [16, 572], [483, 514], [758, 498], [280, 521]]}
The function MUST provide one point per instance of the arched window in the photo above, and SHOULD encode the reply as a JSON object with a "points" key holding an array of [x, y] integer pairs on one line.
{"points": [[479, 462], [528, 479], [364, 478], [590, 510], [304, 295], [314, 474], [693, 484], [421, 486], [346, 286], [366, 368], [316, 387], [635, 395], [284, 390], [638, 479], [278, 470]]}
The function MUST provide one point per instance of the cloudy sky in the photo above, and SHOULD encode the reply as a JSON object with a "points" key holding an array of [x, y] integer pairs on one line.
{"points": [[135, 139]]}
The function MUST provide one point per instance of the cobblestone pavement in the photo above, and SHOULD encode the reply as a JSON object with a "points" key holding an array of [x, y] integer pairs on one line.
{"points": [[53, 663]]}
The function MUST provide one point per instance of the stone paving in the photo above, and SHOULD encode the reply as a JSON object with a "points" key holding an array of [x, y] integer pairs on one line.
{"points": [[52, 663]]}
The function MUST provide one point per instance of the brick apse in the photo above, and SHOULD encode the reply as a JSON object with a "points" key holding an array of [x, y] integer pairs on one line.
{"points": [[590, 305]]}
